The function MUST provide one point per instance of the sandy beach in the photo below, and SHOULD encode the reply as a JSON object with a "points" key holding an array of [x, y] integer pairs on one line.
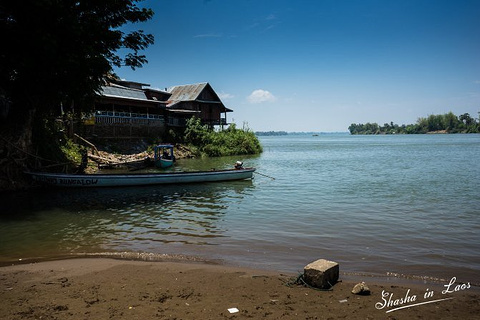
{"points": [[100, 288]]}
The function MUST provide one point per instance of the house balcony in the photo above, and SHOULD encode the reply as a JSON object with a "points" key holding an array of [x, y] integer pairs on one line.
{"points": [[128, 118]]}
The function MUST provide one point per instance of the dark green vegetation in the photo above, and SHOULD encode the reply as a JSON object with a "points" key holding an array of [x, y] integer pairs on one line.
{"points": [[231, 141], [58, 53], [448, 123], [54, 57], [61, 152]]}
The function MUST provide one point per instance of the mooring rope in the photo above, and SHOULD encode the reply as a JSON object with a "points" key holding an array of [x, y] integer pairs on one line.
{"points": [[264, 175], [27, 153], [301, 281]]}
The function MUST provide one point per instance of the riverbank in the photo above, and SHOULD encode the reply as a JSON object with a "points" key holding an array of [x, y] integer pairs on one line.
{"points": [[129, 155], [98, 158], [120, 289]]}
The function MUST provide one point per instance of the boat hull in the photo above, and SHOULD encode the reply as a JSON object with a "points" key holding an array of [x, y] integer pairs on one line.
{"points": [[163, 163], [140, 179]]}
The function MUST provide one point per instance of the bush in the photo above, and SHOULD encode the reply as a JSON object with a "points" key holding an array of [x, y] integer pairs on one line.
{"points": [[231, 141], [55, 149]]}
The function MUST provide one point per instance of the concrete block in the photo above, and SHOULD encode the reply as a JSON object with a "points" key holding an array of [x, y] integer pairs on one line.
{"points": [[321, 274]]}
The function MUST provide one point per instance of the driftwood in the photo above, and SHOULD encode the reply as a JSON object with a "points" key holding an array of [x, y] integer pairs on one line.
{"points": [[91, 145], [99, 159], [104, 163], [139, 164]]}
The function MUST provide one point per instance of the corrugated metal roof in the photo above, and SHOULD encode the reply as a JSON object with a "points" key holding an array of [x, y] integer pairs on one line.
{"points": [[191, 92], [187, 92], [123, 92]]}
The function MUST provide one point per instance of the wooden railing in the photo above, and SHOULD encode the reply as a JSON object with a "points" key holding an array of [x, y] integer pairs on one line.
{"points": [[128, 118], [143, 119]]}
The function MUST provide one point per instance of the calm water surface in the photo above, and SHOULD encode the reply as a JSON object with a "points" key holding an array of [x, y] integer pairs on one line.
{"points": [[404, 204]]}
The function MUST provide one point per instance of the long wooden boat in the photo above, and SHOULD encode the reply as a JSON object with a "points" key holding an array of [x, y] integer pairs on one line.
{"points": [[140, 179]]}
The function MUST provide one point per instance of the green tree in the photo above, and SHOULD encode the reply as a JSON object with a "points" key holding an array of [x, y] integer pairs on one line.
{"points": [[435, 122], [450, 122], [55, 55], [231, 141], [353, 128], [196, 133], [422, 125], [469, 124], [56, 52], [372, 128], [466, 119]]}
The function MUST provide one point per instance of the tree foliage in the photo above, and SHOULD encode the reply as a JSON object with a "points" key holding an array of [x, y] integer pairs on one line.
{"points": [[58, 51], [443, 122], [231, 141]]}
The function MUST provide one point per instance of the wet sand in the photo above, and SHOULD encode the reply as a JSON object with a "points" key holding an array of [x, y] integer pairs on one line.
{"points": [[100, 288]]}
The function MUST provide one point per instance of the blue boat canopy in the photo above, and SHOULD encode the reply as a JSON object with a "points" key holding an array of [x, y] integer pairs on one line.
{"points": [[163, 155]]}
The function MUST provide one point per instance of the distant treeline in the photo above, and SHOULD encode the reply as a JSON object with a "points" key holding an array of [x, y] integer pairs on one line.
{"points": [[448, 123], [271, 133]]}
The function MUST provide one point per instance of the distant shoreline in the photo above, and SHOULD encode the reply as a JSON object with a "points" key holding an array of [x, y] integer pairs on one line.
{"points": [[288, 133]]}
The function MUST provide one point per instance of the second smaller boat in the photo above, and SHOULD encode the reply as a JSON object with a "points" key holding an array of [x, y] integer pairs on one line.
{"points": [[163, 156]]}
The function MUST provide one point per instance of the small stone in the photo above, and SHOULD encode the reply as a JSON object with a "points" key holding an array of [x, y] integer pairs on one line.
{"points": [[321, 274], [361, 289]]}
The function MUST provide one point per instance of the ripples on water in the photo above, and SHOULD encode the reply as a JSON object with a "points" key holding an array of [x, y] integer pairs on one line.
{"points": [[376, 204]]}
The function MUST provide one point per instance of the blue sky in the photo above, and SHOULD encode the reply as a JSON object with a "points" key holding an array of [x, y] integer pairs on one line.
{"points": [[319, 65]]}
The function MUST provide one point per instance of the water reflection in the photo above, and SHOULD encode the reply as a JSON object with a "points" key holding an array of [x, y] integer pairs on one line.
{"points": [[62, 221]]}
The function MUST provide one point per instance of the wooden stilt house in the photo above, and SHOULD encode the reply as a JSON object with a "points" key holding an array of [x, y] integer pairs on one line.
{"points": [[198, 100]]}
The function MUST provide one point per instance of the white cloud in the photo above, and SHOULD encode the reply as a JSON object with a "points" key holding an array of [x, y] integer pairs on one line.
{"points": [[225, 96], [259, 96]]}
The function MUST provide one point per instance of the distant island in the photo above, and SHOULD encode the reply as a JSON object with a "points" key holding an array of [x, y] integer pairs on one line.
{"points": [[446, 123], [271, 133], [284, 133]]}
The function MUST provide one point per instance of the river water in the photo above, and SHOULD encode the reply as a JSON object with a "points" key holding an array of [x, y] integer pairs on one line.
{"points": [[403, 204]]}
